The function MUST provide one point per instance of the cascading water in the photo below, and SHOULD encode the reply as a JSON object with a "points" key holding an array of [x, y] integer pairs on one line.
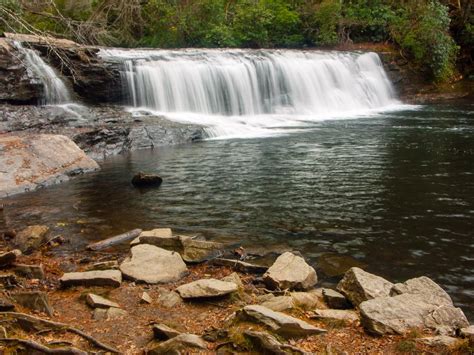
{"points": [[55, 91], [245, 92]]}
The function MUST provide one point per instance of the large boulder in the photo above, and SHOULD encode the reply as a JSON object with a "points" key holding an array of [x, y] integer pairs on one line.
{"points": [[206, 288], [34, 161], [422, 286], [399, 314], [290, 271], [31, 238], [92, 278], [359, 286], [279, 322], [153, 265]]}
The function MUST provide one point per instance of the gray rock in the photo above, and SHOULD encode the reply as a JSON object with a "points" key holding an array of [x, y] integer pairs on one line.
{"points": [[280, 303], [335, 299], [159, 237], [36, 301], [306, 300], [290, 272], [104, 265], [180, 343], [153, 265], [99, 314], [142, 180], [335, 314], [423, 286], [92, 278], [96, 301], [3, 332], [146, 298], [197, 251], [206, 288], [240, 266], [163, 332], [31, 238], [399, 314], [439, 340], [35, 161], [468, 333], [279, 322], [169, 299], [8, 258], [29, 271], [235, 278], [359, 286], [108, 313], [268, 344]]}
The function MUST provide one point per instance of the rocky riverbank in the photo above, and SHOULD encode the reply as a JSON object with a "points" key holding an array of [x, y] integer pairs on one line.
{"points": [[172, 293]]}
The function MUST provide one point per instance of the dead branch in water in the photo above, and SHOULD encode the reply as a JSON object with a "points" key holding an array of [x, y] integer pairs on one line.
{"points": [[109, 242]]}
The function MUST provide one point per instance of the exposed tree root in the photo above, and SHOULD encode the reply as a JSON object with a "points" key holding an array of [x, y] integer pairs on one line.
{"points": [[39, 347]]}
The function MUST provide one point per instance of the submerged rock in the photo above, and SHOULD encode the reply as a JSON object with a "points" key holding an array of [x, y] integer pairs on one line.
{"points": [[153, 265], [181, 343], [92, 278], [279, 322], [290, 272], [359, 286], [146, 180], [206, 288], [31, 238]]}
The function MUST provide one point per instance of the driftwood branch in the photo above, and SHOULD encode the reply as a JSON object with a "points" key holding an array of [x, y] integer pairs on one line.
{"points": [[23, 318], [32, 345], [109, 242]]}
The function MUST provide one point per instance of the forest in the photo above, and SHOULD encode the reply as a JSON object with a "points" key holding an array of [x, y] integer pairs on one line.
{"points": [[437, 36]]}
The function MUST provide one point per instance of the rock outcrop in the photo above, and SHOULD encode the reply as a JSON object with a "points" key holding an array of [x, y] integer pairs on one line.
{"points": [[29, 163]]}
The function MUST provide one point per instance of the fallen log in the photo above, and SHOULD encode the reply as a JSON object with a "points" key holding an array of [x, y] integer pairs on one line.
{"points": [[29, 322], [32, 345], [109, 242]]}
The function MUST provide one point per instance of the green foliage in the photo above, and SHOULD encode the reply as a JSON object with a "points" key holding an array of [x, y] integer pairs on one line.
{"points": [[251, 22], [326, 19]]}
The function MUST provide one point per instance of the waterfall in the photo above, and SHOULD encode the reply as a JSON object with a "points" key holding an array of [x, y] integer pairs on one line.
{"points": [[55, 91], [253, 92]]}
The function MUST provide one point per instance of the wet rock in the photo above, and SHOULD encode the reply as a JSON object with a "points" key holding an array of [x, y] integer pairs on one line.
{"points": [[206, 288], [468, 333], [146, 180], [440, 340], [359, 286], [400, 314], [290, 272], [153, 265], [8, 258], [306, 300], [36, 161], [197, 251], [280, 303], [268, 344], [423, 286], [335, 314], [92, 278], [169, 299], [36, 301], [181, 343], [29, 271], [104, 265], [31, 238], [6, 305], [335, 299], [96, 301], [279, 322], [240, 266], [146, 298], [163, 332], [235, 278], [335, 264], [159, 237]]}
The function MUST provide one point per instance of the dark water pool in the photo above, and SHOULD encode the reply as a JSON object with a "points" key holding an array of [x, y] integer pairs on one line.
{"points": [[395, 192]]}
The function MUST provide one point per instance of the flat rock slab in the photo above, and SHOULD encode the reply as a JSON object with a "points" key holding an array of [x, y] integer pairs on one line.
{"points": [[197, 251], [180, 343], [440, 340], [109, 313], [29, 271], [400, 314], [336, 314], [92, 278], [206, 288], [34, 161], [306, 300], [96, 301], [36, 301], [153, 265], [8, 258], [159, 237], [290, 271], [163, 332], [280, 303], [279, 322], [104, 265], [359, 286]]}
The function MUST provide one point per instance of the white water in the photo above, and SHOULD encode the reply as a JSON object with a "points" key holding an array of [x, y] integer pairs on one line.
{"points": [[55, 91], [242, 93]]}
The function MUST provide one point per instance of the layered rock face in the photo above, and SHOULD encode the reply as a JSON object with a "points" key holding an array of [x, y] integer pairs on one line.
{"points": [[29, 163]]}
